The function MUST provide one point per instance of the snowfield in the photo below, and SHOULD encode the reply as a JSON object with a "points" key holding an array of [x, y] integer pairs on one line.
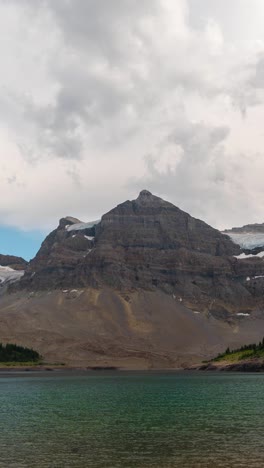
{"points": [[247, 240], [8, 275], [81, 226], [243, 255]]}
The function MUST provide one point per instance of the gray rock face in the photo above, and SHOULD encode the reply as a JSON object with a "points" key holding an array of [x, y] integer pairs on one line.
{"points": [[57, 261], [150, 222], [149, 244]]}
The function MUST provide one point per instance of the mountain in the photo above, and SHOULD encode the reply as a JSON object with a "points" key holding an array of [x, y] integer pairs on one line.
{"points": [[146, 286], [148, 244]]}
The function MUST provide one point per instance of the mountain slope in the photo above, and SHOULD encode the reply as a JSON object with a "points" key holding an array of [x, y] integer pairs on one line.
{"points": [[103, 327]]}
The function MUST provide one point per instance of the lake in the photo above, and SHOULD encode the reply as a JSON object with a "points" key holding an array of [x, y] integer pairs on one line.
{"points": [[131, 419]]}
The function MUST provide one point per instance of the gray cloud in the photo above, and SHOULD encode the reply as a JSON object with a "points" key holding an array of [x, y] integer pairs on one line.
{"points": [[89, 88], [205, 179], [93, 66], [106, 28], [109, 65], [257, 80]]}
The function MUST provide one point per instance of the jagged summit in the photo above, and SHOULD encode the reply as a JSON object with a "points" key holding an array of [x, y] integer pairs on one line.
{"points": [[145, 193], [146, 196]]}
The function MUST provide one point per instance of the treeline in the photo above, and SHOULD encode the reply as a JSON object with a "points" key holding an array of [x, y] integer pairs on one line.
{"points": [[254, 347], [13, 353], [250, 347]]}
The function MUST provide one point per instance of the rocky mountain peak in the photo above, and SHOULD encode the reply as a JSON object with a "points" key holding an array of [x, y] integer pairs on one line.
{"points": [[146, 196], [145, 193], [147, 199], [143, 244]]}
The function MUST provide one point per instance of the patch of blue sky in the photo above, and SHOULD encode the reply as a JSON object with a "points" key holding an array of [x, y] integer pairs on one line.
{"points": [[24, 244]]}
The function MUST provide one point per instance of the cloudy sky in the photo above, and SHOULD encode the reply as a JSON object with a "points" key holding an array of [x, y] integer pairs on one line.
{"points": [[102, 98]]}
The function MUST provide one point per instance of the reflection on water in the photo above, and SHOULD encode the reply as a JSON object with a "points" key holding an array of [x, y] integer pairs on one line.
{"points": [[132, 420]]}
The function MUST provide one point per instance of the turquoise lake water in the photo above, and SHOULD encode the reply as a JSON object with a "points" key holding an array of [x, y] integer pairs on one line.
{"points": [[137, 420]]}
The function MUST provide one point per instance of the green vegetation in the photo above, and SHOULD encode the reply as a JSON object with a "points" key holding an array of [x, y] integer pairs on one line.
{"points": [[245, 352], [14, 354]]}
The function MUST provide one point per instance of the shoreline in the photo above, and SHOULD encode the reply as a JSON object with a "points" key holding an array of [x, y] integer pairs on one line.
{"points": [[81, 370], [207, 369], [243, 366]]}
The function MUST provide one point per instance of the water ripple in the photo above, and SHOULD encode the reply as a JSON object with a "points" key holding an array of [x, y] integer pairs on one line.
{"points": [[128, 420]]}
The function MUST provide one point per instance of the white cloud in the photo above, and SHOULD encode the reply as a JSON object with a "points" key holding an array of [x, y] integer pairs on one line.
{"points": [[99, 99]]}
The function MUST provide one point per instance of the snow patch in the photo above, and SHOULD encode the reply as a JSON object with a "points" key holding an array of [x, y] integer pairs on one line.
{"points": [[6, 268], [243, 255], [81, 226], [8, 275], [254, 277], [241, 314], [90, 238], [247, 240]]}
